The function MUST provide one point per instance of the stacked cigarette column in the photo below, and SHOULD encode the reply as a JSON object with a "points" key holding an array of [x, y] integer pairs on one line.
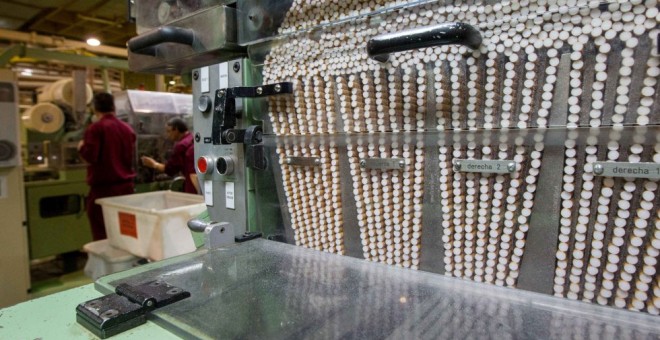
{"points": [[313, 192], [607, 245], [617, 213], [485, 217]]}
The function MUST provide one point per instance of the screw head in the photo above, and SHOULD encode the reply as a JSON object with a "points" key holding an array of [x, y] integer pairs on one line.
{"points": [[198, 137], [317, 161], [277, 88], [402, 164], [173, 291], [363, 163], [237, 66], [260, 90], [288, 160], [231, 136], [511, 166], [457, 166], [109, 313], [598, 169], [196, 75]]}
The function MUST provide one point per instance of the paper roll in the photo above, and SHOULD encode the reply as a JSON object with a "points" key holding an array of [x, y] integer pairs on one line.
{"points": [[44, 118], [62, 91]]}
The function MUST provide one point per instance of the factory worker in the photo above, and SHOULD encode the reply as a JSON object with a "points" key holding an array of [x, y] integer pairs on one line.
{"points": [[182, 158], [108, 146]]}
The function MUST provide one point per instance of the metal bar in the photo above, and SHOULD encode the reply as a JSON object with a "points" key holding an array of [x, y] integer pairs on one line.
{"points": [[75, 59], [458, 33], [537, 268]]}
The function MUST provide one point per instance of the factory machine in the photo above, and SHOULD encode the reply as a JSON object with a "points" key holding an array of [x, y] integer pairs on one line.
{"points": [[55, 186], [417, 169], [55, 174], [148, 113]]}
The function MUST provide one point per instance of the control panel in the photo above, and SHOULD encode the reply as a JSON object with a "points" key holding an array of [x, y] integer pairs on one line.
{"points": [[9, 125]]}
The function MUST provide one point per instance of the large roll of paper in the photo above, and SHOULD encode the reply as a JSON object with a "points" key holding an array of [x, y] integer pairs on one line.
{"points": [[44, 118], [62, 91]]}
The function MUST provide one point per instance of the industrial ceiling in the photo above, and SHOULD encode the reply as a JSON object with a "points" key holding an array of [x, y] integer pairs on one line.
{"points": [[77, 20]]}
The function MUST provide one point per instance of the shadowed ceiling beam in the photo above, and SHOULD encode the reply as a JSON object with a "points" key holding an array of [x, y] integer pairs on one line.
{"points": [[48, 41], [68, 58]]}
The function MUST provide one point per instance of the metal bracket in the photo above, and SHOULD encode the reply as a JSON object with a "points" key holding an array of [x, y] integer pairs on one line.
{"points": [[219, 234], [127, 307], [224, 108], [225, 116], [216, 234]]}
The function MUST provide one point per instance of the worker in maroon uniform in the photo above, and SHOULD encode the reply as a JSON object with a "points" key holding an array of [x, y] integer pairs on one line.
{"points": [[108, 146], [182, 158]]}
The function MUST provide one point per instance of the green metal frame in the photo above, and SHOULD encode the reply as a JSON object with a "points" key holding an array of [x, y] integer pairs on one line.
{"points": [[60, 234], [69, 58], [261, 190]]}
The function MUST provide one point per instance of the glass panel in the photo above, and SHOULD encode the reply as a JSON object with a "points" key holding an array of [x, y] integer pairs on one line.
{"points": [[59, 205], [268, 290]]}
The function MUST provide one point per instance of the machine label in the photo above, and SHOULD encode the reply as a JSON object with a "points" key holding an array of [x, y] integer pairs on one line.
{"points": [[488, 166], [208, 193], [3, 187], [302, 161], [229, 195], [624, 169], [383, 163], [127, 224], [223, 72], [204, 79]]}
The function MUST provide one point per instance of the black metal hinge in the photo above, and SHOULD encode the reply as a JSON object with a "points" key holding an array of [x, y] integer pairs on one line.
{"points": [[127, 307]]}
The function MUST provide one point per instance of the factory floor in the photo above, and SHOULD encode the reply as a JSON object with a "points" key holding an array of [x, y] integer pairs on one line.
{"points": [[57, 273]]}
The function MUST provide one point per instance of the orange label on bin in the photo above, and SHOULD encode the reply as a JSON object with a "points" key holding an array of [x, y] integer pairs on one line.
{"points": [[127, 224]]}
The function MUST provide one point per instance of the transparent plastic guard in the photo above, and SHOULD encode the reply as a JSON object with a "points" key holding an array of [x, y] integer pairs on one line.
{"points": [[265, 289], [262, 39], [262, 20], [155, 13], [159, 102]]}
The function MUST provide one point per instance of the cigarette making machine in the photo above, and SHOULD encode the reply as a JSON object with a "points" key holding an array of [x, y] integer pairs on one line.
{"points": [[148, 112], [427, 169]]}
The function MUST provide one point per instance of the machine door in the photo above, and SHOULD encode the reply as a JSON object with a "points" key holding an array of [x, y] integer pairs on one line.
{"points": [[57, 222]]}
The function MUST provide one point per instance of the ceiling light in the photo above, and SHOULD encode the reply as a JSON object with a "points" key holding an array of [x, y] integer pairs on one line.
{"points": [[93, 42], [26, 72], [172, 82]]}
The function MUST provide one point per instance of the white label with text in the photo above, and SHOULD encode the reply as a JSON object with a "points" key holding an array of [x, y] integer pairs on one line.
{"points": [[204, 79], [208, 193], [229, 195], [624, 169]]}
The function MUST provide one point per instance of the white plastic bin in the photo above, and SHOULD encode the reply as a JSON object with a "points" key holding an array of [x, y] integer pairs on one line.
{"points": [[152, 225], [104, 259]]}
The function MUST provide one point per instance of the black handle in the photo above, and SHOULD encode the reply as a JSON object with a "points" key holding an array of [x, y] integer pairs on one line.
{"points": [[459, 33], [147, 42]]}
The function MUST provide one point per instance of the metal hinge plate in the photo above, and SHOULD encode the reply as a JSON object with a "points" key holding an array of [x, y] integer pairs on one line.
{"points": [[127, 307]]}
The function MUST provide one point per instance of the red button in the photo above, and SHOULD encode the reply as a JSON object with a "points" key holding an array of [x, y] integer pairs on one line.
{"points": [[202, 164]]}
